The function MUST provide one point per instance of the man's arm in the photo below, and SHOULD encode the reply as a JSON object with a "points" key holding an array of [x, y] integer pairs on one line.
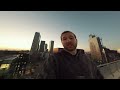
{"points": [[94, 71], [99, 75], [48, 70]]}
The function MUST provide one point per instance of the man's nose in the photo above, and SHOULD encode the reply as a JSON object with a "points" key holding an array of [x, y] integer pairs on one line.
{"points": [[68, 40]]}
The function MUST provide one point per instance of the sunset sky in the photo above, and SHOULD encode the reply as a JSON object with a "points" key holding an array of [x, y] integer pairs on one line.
{"points": [[17, 28]]}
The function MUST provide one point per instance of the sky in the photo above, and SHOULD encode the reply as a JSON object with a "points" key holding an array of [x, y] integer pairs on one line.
{"points": [[17, 28]]}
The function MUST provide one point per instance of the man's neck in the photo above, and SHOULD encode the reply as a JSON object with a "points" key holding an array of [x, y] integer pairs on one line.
{"points": [[72, 52]]}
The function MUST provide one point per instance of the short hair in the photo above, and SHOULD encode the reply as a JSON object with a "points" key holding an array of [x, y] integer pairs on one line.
{"points": [[67, 32]]}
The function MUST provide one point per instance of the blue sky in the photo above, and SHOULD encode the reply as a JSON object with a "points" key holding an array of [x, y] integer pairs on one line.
{"points": [[17, 28]]}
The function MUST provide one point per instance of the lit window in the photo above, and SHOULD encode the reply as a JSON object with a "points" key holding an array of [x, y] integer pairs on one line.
{"points": [[4, 66]]}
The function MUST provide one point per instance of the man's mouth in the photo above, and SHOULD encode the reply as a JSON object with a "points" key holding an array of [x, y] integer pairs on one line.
{"points": [[69, 45]]}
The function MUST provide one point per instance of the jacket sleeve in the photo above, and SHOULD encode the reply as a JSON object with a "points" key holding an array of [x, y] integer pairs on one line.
{"points": [[96, 72], [48, 70], [93, 70]]}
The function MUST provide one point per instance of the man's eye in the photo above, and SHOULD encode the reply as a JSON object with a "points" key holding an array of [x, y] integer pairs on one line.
{"points": [[71, 38], [64, 38]]}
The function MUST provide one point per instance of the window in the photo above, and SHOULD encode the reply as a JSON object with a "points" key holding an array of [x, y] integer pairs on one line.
{"points": [[4, 66]]}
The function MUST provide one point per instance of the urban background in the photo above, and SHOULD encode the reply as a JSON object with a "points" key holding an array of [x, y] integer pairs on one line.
{"points": [[26, 64]]}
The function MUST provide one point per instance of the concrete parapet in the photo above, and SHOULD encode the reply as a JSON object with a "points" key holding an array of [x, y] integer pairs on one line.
{"points": [[110, 70]]}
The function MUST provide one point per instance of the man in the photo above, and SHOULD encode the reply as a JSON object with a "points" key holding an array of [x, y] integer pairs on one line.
{"points": [[70, 63]]}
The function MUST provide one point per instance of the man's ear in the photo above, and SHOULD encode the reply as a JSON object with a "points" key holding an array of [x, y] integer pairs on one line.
{"points": [[76, 40]]}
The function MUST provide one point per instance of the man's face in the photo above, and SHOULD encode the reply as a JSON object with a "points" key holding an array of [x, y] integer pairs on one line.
{"points": [[69, 41]]}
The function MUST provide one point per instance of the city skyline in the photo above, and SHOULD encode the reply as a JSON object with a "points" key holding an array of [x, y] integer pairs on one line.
{"points": [[18, 27]]}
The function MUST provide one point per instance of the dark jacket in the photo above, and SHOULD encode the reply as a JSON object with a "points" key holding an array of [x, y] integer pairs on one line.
{"points": [[64, 65]]}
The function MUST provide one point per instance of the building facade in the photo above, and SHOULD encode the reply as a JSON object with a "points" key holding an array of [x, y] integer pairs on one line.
{"points": [[35, 43], [42, 44], [96, 48], [45, 47], [51, 46]]}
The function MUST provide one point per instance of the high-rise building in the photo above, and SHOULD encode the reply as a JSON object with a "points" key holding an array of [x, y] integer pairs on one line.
{"points": [[45, 47], [51, 46], [35, 43], [96, 48], [42, 44]]}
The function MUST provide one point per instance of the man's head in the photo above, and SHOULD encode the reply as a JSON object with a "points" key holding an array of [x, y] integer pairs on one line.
{"points": [[69, 40]]}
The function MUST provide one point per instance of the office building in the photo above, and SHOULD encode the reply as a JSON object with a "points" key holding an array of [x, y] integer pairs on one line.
{"points": [[45, 47], [35, 43], [42, 45], [96, 48], [51, 46]]}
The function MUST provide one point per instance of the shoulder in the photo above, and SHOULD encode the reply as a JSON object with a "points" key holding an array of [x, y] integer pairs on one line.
{"points": [[53, 58], [58, 55], [84, 57], [87, 61]]}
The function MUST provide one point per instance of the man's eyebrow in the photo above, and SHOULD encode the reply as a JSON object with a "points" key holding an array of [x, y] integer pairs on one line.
{"points": [[71, 36], [63, 36]]}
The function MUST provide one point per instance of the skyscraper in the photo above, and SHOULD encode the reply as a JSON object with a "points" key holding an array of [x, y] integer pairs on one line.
{"points": [[96, 48], [45, 47], [35, 43], [42, 44], [51, 46]]}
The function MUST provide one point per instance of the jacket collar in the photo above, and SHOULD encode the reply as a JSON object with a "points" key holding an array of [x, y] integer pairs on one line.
{"points": [[65, 52]]}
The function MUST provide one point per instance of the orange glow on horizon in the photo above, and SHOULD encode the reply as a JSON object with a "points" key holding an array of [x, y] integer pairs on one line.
{"points": [[8, 48]]}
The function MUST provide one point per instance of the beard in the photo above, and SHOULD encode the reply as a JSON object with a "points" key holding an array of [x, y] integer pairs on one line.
{"points": [[70, 46]]}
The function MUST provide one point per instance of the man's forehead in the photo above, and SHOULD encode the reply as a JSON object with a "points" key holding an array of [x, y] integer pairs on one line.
{"points": [[68, 34]]}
